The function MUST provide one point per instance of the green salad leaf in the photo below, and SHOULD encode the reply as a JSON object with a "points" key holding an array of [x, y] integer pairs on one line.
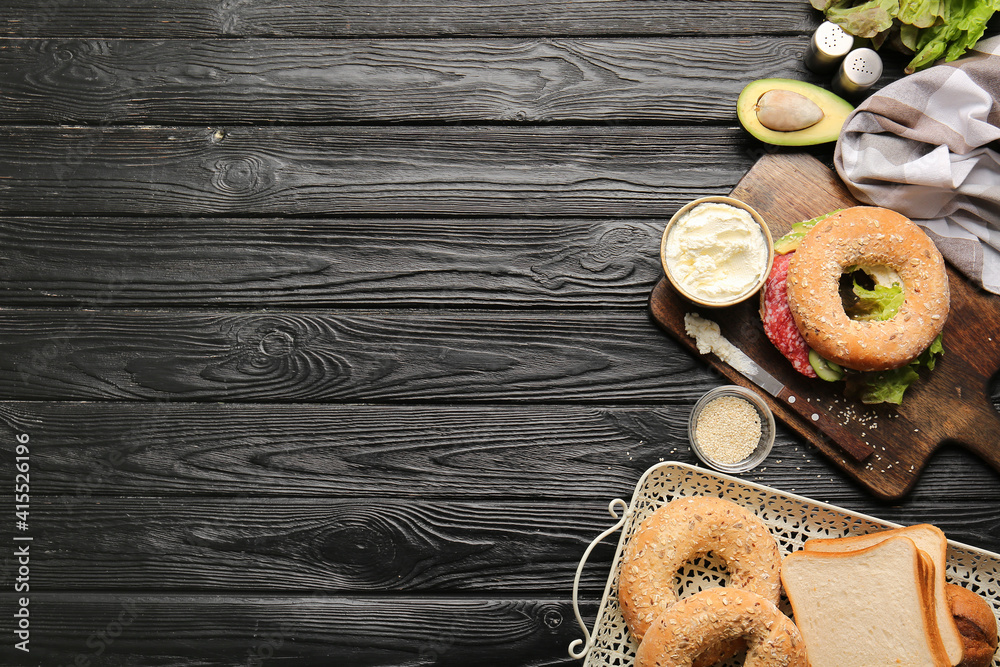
{"points": [[790, 241], [921, 13], [928, 358], [889, 386], [866, 19], [877, 304], [881, 386]]}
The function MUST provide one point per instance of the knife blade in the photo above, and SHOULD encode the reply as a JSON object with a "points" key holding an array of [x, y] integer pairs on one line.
{"points": [[752, 371]]}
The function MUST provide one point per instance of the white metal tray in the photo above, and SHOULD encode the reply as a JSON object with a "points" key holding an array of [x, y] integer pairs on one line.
{"points": [[791, 519]]}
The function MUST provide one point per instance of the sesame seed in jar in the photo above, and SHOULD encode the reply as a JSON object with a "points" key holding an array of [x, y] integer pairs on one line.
{"points": [[728, 429]]}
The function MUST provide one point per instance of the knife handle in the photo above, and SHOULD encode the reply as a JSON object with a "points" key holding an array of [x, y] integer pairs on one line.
{"points": [[845, 438]]}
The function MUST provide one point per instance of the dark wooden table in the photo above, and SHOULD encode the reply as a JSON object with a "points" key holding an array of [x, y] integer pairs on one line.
{"points": [[326, 328]]}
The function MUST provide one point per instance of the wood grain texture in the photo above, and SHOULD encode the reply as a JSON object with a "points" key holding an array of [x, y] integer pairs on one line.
{"points": [[358, 356], [85, 451], [444, 170], [88, 455], [280, 263], [345, 546], [114, 82], [314, 544], [327, 320], [93, 450], [314, 630], [329, 18]]}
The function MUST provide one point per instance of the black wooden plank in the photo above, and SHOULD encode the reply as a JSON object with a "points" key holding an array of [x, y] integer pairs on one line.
{"points": [[403, 356], [93, 450], [316, 630], [84, 451], [330, 546], [565, 171], [354, 356], [353, 546], [258, 262], [682, 80], [330, 18]]}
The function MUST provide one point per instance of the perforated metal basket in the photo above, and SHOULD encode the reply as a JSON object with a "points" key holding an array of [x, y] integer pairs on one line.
{"points": [[791, 519]]}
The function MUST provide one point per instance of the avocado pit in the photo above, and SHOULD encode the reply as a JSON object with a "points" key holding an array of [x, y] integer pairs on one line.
{"points": [[787, 111]]}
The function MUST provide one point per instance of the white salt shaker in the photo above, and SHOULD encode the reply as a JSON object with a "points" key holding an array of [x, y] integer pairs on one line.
{"points": [[828, 46]]}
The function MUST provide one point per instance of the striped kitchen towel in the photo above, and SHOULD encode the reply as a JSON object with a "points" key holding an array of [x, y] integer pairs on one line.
{"points": [[928, 146]]}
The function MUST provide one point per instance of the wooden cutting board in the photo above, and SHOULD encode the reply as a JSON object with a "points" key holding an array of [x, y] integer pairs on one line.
{"points": [[884, 447]]}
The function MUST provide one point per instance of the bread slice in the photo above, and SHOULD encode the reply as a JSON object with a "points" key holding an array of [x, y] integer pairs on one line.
{"points": [[870, 607], [932, 541]]}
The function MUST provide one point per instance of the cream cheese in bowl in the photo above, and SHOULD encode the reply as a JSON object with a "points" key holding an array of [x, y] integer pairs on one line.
{"points": [[716, 251]]}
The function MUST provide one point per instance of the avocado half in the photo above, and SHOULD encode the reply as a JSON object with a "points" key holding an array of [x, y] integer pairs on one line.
{"points": [[835, 111]]}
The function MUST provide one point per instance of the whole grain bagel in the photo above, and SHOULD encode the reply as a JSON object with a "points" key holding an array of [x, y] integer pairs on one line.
{"points": [[681, 530], [719, 615], [867, 236]]}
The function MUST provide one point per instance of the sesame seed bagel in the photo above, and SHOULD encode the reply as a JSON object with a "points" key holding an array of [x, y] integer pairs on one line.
{"points": [[718, 615], [867, 236], [681, 530]]}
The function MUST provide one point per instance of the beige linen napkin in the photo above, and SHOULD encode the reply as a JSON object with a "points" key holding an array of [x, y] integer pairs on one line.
{"points": [[928, 146]]}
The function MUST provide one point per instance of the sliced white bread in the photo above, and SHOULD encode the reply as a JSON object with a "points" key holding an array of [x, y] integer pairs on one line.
{"points": [[932, 541], [869, 607]]}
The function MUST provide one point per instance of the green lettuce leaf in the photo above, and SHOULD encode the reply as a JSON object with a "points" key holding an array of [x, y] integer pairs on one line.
{"points": [[928, 358], [971, 27], [931, 45], [920, 13], [878, 304], [881, 386], [790, 241], [866, 19], [889, 386], [909, 35]]}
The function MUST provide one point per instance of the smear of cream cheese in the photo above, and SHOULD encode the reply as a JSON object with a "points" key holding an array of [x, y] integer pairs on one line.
{"points": [[709, 339]]}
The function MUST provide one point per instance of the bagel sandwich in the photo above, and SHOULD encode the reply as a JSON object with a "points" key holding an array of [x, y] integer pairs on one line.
{"points": [[860, 295]]}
